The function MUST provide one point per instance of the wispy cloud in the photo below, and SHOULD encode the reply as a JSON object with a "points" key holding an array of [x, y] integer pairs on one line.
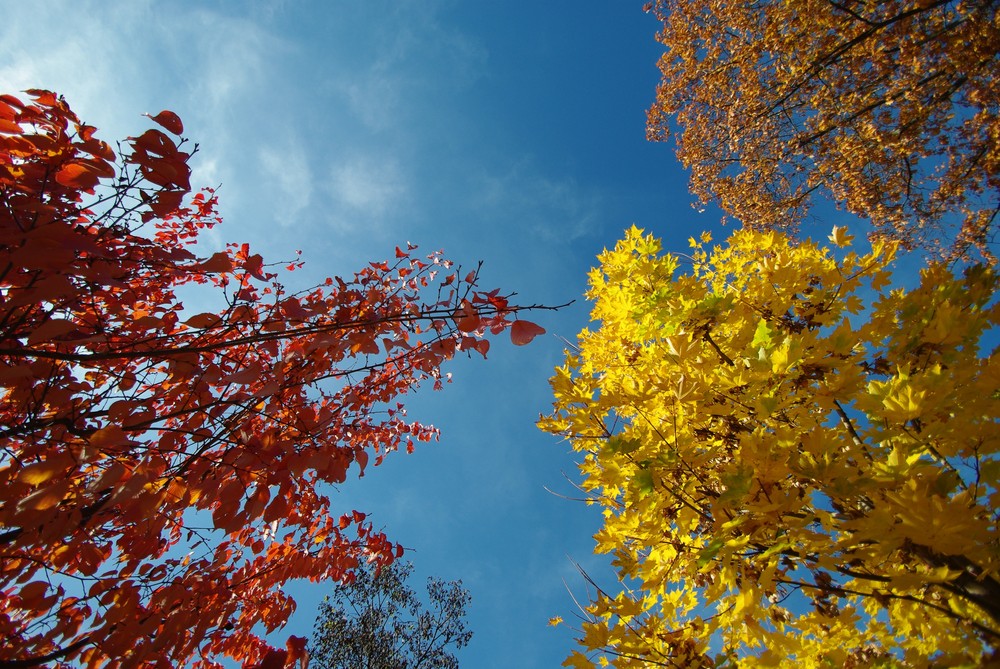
{"points": [[367, 188], [78, 54], [288, 182], [393, 68], [546, 207]]}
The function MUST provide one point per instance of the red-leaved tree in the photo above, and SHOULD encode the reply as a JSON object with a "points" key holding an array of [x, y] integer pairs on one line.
{"points": [[160, 469]]}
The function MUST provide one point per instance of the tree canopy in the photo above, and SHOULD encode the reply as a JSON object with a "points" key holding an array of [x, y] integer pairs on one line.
{"points": [[797, 463], [376, 621], [161, 467], [890, 108]]}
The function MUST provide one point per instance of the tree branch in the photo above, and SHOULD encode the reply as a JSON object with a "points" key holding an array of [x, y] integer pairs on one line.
{"points": [[45, 659]]}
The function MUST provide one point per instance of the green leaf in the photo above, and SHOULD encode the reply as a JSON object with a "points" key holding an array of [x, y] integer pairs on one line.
{"points": [[737, 485], [619, 444], [644, 481], [709, 552], [762, 336]]}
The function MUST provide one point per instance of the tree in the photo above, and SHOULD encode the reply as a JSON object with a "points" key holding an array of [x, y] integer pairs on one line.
{"points": [[375, 621], [161, 468], [891, 108], [797, 465]]}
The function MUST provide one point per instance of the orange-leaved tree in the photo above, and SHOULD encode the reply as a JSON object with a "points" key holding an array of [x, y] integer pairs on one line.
{"points": [[160, 469], [891, 108]]}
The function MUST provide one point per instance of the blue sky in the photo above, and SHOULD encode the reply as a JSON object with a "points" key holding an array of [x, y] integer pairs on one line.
{"points": [[508, 132]]}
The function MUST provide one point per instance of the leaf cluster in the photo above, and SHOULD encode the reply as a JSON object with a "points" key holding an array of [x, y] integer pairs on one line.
{"points": [[798, 465], [890, 108], [162, 470]]}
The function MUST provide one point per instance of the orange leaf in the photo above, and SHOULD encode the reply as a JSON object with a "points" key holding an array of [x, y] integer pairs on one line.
{"points": [[9, 127], [47, 497], [112, 475], [522, 332], [40, 472], [77, 176], [169, 120], [110, 435]]}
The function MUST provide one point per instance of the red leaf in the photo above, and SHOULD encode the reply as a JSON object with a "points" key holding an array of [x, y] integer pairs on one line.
{"points": [[166, 202], [34, 590], [6, 111], [466, 318], [255, 266], [169, 120], [43, 97], [362, 459], [296, 646], [174, 412], [522, 332], [203, 321], [275, 659], [155, 142], [51, 330], [218, 263]]}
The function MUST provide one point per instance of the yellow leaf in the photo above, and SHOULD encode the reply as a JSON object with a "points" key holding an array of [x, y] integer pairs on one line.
{"points": [[840, 236], [578, 661]]}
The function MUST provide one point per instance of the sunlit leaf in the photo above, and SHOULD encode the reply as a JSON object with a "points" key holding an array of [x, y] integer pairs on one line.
{"points": [[169, 120], [523, 332]]}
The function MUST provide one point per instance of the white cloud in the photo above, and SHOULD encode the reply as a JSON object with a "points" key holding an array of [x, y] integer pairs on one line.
{"points": [[402, 62], [219, 70], [231, 66], [549, 208], [288, 181], [77, 53], [368, 185], [374, 99]]}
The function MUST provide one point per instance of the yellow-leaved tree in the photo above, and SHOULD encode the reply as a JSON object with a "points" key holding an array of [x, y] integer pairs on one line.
{"points": [[798, 464]]}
